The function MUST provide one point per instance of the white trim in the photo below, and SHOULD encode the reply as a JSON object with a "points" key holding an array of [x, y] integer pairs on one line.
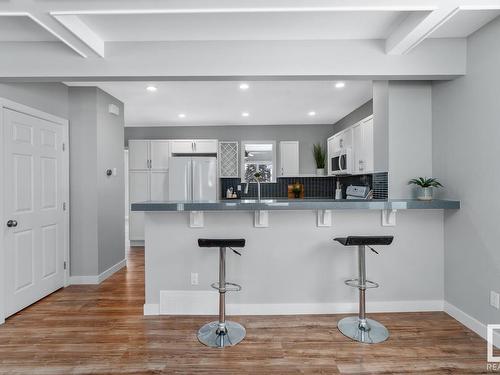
{"points": [[187, 302], [83, 280], [97, 279], [470, 322], [136, 243], [75, 25], [111, 270], [18, 107], [151, 309], [364, 8]]}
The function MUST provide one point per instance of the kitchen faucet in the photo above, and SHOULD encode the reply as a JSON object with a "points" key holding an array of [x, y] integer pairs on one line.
{"points": [[256, 179]]}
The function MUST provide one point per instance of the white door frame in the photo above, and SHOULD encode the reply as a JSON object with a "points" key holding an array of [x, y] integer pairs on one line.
{"points": [[8, 104]]}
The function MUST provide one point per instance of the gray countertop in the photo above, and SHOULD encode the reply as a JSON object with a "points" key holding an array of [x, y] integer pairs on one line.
{"points": [[294, 204]]}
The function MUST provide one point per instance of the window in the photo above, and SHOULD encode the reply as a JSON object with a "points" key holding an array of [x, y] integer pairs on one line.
{"points": [[258, 156]]}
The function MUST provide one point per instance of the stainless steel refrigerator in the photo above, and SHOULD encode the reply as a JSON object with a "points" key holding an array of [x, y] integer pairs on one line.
{"points": [[192, 178]]}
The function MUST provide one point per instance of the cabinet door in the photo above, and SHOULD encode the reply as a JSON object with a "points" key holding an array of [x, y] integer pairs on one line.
{"points": [[289, 158], [160, 153], [182, 146], [359, 148], [205, 146], [346, 138], [138, 192], [138, 154], [368, 146], [159, 186], [332, 146]]}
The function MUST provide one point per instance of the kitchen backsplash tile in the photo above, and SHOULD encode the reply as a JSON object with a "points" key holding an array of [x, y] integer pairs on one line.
{"points": [[314, 187]]}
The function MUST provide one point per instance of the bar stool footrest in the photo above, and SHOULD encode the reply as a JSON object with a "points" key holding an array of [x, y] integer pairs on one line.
{"points": [[229, 287], [354, 283]]}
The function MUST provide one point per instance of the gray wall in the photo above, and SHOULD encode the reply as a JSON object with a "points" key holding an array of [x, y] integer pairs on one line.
{"points": [[307, 135], [410, 135], [83, 181], [466, 134], [97, 201], [111, 190], [48, 97], [381, 126], [355, 116]]}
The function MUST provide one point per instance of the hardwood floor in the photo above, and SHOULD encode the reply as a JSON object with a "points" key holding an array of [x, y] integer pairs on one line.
{"points": [[101, 330]]}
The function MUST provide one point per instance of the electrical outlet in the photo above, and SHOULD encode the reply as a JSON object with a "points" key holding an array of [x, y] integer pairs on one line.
{"points": [[194, 278], [495, 299]]}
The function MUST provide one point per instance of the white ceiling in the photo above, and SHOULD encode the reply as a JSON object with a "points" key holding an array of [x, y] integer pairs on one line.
{"points": [[23, 29], [465, 23], [244, 26], [223, 102]]}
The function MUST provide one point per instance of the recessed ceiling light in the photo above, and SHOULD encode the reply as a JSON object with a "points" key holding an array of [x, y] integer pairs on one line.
{"points": [[244, 86], [340, 85], [245, 114], [312, 113], [181, 115], [151, 88]]}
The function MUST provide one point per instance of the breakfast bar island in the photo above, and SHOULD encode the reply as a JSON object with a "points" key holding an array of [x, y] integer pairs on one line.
{"points": [[295, 268]]}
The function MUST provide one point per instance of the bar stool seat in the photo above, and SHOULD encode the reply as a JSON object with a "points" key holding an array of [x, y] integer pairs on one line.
{"points": [[360, 328], [222, 333]]}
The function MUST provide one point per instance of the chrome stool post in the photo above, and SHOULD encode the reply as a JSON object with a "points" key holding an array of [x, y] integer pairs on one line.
{"points": [[222, 333], [360, 328]]}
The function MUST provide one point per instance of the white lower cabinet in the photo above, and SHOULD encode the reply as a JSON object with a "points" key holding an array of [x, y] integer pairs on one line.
{"points": [[138, 192], [159, 186]]}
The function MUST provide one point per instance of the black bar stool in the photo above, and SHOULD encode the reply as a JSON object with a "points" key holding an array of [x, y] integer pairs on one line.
{"points": [[221, 333], [360, 328]]}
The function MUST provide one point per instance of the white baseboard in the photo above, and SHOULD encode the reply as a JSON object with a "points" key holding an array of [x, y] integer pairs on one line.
{"points": [[83, 280], [111, 270], [97, 279], [151, 309], [471, 322], [181, 302], [136, 242]]}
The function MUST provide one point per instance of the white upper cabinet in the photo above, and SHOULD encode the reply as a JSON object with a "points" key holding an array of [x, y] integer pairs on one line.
{"points": [[358, 137], [138, 154], [182, 146], [205, 146], [289, 158], [194, 146], [159, 155], [363, 146]]}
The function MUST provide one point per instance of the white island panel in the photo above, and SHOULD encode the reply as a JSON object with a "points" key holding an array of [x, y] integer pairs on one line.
{"points": [[294, 266]]}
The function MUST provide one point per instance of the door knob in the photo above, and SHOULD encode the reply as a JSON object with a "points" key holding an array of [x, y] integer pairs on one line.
{"points": [[12, 223]]}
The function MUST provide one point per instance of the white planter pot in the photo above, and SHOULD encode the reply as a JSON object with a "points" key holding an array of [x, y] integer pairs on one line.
{"points": [[425, 194], [320, 171]]}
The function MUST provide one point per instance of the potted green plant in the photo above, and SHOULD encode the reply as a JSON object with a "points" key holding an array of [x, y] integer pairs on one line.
{"points": [[425, 184], [320, 158]]}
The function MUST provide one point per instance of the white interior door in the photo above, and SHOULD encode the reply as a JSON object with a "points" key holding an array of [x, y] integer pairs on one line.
{"points": [[138, 192], [34, 188]]}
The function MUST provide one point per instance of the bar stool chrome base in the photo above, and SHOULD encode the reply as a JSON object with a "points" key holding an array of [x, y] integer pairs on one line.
{"points": [[211, 335], [369, 332]]}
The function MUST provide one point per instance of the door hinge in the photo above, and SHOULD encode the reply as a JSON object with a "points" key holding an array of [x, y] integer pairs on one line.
{"points": [[64, 206], [64, 264], [64, 146]]}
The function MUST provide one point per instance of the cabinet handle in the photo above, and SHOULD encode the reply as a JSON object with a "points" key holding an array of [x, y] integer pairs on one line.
{"points": [[150, 163]]}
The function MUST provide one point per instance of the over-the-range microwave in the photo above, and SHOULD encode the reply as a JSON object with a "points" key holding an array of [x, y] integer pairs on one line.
{"points": [[342, 162]]}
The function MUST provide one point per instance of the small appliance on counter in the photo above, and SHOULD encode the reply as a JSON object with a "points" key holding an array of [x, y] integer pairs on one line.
{"points": [[358, 192]]}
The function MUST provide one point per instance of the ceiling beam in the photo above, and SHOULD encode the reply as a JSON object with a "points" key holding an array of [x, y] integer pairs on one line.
{"points": [[415, 28], [83, 32]]}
